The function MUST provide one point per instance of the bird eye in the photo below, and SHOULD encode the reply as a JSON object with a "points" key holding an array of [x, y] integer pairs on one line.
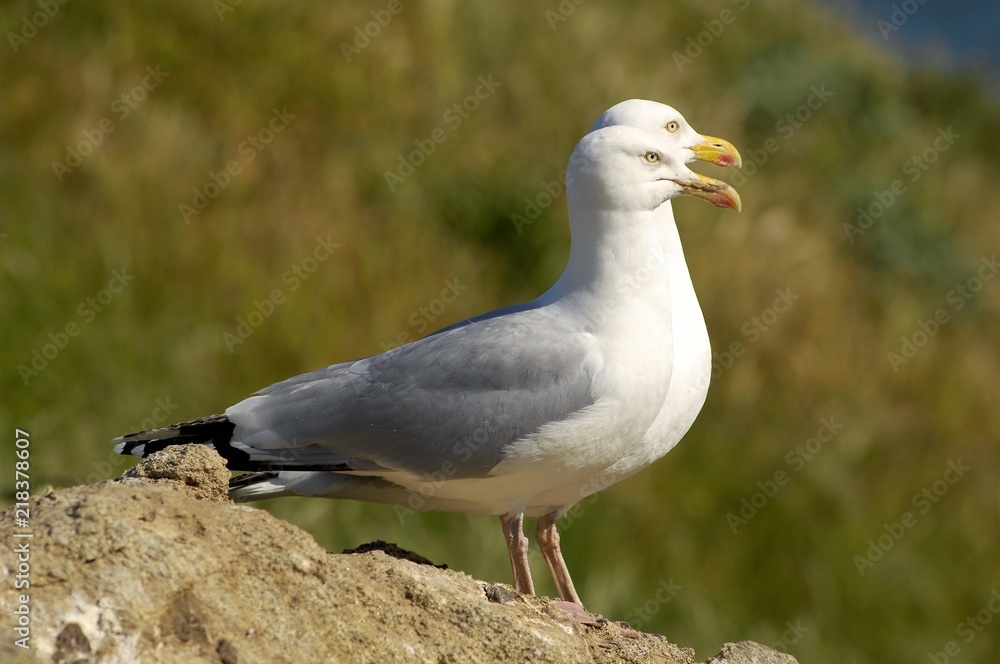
{"points": [[651, 157], [672, 126]]}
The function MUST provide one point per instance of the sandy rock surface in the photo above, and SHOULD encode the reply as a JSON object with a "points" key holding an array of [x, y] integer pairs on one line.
{"points": [[161, 567]]}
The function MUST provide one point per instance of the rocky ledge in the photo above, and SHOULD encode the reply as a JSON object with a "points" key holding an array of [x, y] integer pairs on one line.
{"points": [[160, 566]]}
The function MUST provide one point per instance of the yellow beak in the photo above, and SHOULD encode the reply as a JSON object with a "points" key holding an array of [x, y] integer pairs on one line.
{"points": [[719, 151], [714, 191]]}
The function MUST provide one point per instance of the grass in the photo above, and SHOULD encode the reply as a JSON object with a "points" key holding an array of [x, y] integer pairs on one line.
{"points": [[157, 350]]}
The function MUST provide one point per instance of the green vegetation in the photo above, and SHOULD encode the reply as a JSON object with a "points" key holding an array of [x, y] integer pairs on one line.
{"points": [[158, 348]]}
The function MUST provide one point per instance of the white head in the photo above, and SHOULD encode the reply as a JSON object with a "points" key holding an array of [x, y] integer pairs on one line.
{"points": [[664, 120], [634, 160]]}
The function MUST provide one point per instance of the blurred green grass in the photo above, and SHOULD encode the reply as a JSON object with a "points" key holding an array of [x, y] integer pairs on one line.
{"points": [[161, 339]]}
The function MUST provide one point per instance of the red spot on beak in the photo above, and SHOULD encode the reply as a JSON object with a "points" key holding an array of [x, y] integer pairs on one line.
{"points": [[722, 201]]}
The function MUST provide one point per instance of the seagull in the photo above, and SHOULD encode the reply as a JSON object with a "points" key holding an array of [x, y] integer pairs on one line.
{"points": [[526, 410]]}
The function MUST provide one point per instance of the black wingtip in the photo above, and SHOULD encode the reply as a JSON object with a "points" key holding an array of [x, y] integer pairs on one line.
{"points": [[250, 479], [215, 431]]}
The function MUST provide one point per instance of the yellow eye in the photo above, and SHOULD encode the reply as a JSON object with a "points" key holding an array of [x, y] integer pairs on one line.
{"points": [[651, 157], [672, 126]]}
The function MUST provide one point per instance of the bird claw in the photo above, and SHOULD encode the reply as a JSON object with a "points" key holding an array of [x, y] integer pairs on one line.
{"points": [[576, 613]]}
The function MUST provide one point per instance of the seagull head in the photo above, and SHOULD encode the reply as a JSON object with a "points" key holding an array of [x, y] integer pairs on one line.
{"points": [[622, 167], [664, 120]]}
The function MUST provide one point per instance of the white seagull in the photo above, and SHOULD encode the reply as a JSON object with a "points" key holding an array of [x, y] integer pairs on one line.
{"points": [[522, 411]]}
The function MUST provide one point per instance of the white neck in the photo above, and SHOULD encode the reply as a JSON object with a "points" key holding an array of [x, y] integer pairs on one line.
{"points": [[621, 257], [681, 289]]}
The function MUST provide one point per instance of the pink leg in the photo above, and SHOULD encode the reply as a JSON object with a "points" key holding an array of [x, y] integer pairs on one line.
{"points": [[517, 546], [548, 541]]}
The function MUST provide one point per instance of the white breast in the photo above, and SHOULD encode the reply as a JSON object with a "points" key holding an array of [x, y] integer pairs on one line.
{"points": [[691, 361], [692, 364]]}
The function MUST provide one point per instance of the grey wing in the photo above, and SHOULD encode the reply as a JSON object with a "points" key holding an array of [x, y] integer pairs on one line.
{"points": [[450, 402]]}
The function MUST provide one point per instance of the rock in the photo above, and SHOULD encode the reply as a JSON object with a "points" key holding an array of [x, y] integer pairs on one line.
{"points": [[193, 468], [161, 568], [748, 652]]}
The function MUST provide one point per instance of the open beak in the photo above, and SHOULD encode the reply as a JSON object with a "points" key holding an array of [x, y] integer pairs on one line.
{"points": [[722, 153], [714, 191], [719, 151]]}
